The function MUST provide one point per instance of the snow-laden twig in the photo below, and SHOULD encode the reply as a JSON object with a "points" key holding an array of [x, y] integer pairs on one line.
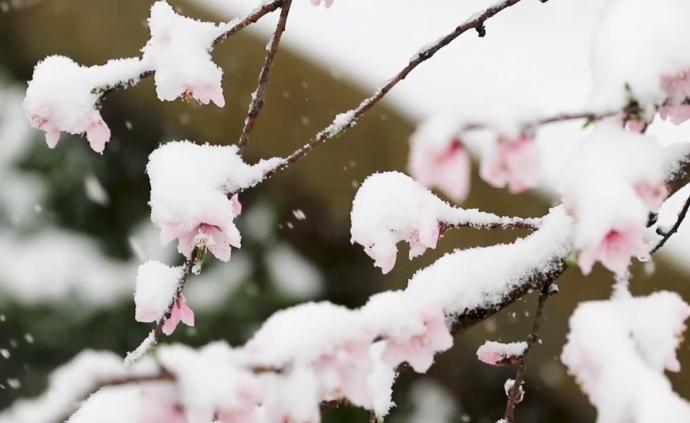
{"points": [[667, 234], [258, 95]]}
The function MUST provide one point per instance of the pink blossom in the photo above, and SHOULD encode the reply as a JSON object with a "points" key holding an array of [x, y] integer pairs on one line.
{"points": [[513, 163], [676, 114], [653, 195], [677, 88], [496, 353], [615, 249], [343, 373], [204, 93], [60, 98], [418, 350], [327, 3], [448, 169], [384, 252], [216, 232], [180, 313]]}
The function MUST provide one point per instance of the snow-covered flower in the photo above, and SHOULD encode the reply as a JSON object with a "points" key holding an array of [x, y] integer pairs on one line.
{"points": [[615, 249], [391, 207], [497, 353], [215, 231], [156, 285], [438, 158], [178, 52], [62, 96], [190, 200], [343, 373], [512, 163]]}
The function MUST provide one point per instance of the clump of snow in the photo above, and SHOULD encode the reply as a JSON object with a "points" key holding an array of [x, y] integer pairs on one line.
{"points": [[179, 54], [190, 185], [63, 96], [323, 327], [211, 383], [636, 43], [391, 207], [618, 351], [498, 353], [155, 289]]}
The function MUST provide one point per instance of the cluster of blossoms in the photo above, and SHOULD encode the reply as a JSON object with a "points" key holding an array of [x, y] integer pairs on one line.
{"points": [[64, 96], [439, 158], [279, 377]]}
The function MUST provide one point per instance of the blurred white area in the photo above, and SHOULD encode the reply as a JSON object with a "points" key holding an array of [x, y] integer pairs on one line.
{"points": [[432, 403], [534, 62]]}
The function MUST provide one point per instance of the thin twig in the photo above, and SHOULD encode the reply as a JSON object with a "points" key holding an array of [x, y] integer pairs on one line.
{"points": [[257, 102], [347, 120], [561, 117], [666, 235], [515, 393]]}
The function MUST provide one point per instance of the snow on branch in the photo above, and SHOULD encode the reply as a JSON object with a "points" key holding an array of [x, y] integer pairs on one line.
{"points": [[618, 351], [391, 207]]}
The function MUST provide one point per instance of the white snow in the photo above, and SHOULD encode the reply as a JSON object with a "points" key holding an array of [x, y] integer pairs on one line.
{"points": [[459, 280], [156, 285], [179, 54], [618, 351]]}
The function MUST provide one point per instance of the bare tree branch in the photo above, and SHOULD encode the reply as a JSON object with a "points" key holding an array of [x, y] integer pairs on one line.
{"points": [[515, 392], [257, 102]]}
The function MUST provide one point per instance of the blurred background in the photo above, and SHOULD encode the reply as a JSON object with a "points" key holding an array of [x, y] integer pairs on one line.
{"points": [[75, 225]]}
